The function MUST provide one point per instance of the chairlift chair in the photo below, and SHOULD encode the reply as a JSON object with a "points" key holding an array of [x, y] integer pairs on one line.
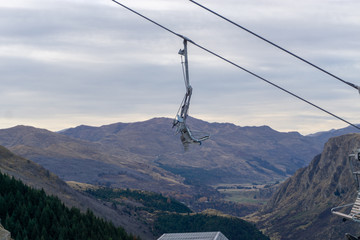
{"points": [[354, 213], [187, 137]]}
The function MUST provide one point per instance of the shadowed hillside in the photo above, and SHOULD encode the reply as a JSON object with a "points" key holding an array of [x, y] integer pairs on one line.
{"points": [[300, 209], [31, 214], [38, 177]]}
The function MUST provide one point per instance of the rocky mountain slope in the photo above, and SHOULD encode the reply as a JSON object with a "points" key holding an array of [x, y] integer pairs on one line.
{"points": [[300, 209], [4, 234], [38, 177]]}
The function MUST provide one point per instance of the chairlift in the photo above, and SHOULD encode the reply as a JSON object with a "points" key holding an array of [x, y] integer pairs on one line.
{"points": [[354, 214], [187, 136]]}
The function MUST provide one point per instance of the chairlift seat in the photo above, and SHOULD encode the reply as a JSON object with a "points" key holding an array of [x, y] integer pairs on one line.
{"points": [[354, 213], [187, 136]]}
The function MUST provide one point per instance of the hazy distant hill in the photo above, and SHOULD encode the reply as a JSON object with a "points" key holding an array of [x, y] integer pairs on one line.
{"points": [[233, 154], [148, 155], [323, 137], [300, 209]]}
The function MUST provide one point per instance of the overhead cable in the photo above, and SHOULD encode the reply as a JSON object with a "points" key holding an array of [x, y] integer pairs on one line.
{"points": [[236, 65], [277, 46]]}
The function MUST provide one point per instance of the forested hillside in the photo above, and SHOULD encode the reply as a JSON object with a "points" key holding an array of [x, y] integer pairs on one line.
{"points": [[37, 177], [31, 214]]}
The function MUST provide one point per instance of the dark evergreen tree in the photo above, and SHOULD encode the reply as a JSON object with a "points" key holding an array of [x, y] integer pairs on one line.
{"points": [[31, 215]]}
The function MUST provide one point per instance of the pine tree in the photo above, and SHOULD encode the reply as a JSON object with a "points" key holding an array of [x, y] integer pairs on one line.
{"points": [[31, 215]]}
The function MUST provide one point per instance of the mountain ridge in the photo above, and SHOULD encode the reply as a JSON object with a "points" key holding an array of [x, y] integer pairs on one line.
{"points": [[148, 155], [224, 138]]}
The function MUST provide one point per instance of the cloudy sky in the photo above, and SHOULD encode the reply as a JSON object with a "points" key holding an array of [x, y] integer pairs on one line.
{"points": [[64, 63]]}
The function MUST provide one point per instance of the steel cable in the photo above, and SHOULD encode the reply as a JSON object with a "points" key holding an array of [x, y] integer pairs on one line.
{"points": [[236, 65], [277, 46]]}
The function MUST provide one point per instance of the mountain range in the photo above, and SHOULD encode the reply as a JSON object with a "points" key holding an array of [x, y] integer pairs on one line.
{"points": [[149, 156], [241, 153]]}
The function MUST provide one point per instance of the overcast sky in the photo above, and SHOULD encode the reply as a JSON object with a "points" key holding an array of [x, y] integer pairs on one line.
{"points": [[65, 63]]}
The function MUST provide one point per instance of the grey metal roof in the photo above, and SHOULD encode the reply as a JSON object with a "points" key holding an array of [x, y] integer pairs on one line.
{"points": [[195, 235]]}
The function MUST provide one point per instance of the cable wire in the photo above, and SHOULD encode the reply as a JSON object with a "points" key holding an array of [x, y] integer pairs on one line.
{"points": [[277, 46], [238, 66]]}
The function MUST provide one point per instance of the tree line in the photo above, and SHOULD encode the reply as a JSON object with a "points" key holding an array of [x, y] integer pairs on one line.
{"points": [[152, 201]]}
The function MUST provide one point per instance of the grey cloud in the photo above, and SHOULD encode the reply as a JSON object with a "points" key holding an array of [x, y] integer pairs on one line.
{"points": [[97, 59]]}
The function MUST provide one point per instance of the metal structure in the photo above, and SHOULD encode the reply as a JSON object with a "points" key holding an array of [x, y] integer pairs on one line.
{"points": [[354, 213], [236, 65], [193, 236], [187, 136], [277, 46]]}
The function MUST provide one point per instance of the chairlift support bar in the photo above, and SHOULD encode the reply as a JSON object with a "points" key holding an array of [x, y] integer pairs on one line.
{"points": [[185, 54], [187, 98]]}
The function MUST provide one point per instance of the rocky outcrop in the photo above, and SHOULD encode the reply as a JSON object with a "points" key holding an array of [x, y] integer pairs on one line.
{"points": [[300, 209], [4, 234]]}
